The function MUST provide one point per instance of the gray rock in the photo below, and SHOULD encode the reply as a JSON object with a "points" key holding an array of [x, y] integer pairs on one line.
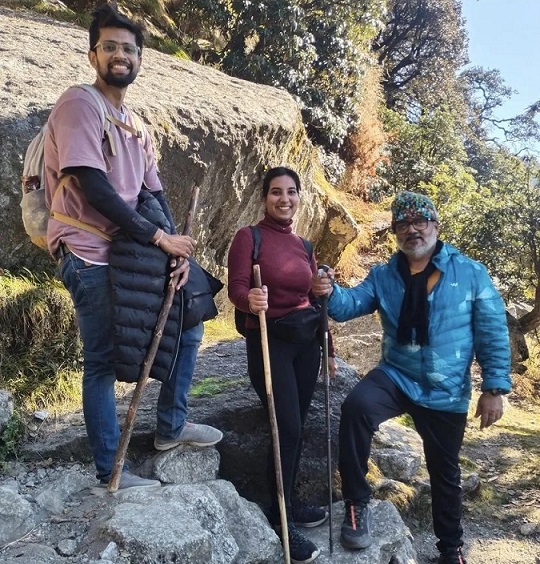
{"points": [[186, 465], [16, 515], [392, 540], [51, 501], [71, 482], [394, 435], [219, 131], [256, 540], [11, 484], [110, 552], [471, 484], [31, 554], [397, 464], [159, 532], [528, 529], [67, 547]]}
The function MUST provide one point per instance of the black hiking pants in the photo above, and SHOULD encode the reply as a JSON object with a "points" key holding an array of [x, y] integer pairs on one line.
{"points": [[376, 399], [295, 369]]}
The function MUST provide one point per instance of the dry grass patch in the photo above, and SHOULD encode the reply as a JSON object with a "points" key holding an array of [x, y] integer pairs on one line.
{"points": [[507, 456]]}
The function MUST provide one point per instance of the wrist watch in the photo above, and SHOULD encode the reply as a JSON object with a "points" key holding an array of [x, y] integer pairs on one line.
{"points": [[496, 391]]}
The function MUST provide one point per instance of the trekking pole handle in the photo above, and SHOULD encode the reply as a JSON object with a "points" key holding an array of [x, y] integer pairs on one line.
{"points": [[324, 268]]}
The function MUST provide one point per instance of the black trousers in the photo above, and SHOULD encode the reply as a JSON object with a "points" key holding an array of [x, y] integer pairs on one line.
{"points": [[295, 369], [376, 399]]}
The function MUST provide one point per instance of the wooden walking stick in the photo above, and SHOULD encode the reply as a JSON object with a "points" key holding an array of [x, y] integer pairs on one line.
{"points": [[273, 423], [326, 379], [129, 422]]}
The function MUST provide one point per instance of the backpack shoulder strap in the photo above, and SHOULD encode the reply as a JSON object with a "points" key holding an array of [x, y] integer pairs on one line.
{"points": [[256, 235], [141, 134], [309, 248], [107, 119], [92, 90]]}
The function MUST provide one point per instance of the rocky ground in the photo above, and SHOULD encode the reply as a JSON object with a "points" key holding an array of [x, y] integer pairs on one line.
{"points": [[503, 528]]}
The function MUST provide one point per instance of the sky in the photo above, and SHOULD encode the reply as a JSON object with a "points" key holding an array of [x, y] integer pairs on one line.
{"points": [[505, 35]]}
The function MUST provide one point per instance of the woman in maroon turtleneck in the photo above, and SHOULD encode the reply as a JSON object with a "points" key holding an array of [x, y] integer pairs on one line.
{"points": [[286, 271]]}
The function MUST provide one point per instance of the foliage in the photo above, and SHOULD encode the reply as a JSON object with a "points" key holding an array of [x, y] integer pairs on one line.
{"points": [[310, 48], [483, 92], [39, 348], [11, 437], [315, 49], [365, 148], [418, 149], [420, 48]]}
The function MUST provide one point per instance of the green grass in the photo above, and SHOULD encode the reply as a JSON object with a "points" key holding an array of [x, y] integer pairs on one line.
{"points": [[405, 420], [40, 353], [213, 385], [167, 46]]}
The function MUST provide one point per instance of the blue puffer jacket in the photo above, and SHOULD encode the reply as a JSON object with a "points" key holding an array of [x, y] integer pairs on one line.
{"points": [[466, 318]]}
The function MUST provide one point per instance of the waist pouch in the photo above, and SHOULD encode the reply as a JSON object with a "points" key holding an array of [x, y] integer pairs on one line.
{"points": [[198, 294], [299, 326]]}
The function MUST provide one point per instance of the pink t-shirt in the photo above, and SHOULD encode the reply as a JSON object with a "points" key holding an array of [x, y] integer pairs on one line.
{"points": [[75, 138]]}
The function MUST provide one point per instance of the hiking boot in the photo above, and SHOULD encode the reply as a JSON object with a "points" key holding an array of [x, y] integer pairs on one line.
{"points": [[356, 528], [301, 549], [452, 556], [192, 434], [308, 515], [129, 480]]}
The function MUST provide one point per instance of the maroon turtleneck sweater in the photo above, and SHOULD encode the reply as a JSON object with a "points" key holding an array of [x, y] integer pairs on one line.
{"points": [[284, 264]]}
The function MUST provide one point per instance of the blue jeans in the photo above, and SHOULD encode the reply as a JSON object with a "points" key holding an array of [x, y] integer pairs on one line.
{"points": [[90, 291]]}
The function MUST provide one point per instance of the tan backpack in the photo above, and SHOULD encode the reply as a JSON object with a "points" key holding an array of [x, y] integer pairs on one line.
{"points": [[35, 214]]}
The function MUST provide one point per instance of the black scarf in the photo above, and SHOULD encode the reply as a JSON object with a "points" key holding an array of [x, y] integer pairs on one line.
{"points": [[414, 312]]}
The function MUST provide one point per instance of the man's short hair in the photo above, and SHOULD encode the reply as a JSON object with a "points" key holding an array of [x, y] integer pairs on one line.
{"points": [[107, 16], [408, 205]]}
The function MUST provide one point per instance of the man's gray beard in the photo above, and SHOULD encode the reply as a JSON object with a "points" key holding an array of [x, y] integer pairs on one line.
{"points": [[421, 252]]}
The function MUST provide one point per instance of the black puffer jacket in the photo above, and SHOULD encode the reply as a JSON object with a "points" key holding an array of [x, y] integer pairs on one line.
{"points": [[139, 276]]}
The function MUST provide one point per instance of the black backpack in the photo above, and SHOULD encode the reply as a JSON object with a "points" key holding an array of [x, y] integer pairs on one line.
{"points": [[239, 315]]}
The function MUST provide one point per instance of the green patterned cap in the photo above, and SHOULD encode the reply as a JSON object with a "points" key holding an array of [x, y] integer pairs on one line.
{"points": [[408, 205]]}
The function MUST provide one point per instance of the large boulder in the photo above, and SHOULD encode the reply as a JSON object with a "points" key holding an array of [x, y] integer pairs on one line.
{"points": [[210, 130]]}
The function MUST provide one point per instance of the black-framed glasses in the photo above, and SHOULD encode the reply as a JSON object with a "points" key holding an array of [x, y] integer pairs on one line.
{"points": [[419, 223], [110, 48]]}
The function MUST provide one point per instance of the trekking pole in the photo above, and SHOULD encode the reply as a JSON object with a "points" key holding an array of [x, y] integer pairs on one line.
{"points": [[129, 422], [326, 379], [273, 422]]}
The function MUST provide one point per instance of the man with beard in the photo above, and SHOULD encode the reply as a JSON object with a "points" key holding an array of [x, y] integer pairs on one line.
{"points": [[438, 309], [104, 178]]}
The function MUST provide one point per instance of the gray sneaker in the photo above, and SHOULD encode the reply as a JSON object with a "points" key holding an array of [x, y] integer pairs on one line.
{"points": [[356, 528], [192, 434], [129, 480]]}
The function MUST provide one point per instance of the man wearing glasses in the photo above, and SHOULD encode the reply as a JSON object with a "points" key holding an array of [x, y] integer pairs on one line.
{"points": [[105, 176], [438, 310]]}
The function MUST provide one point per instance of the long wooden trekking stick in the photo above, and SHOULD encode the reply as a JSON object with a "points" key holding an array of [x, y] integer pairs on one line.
{"points": [[326, 379], [273, 423], [129, 422]]}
